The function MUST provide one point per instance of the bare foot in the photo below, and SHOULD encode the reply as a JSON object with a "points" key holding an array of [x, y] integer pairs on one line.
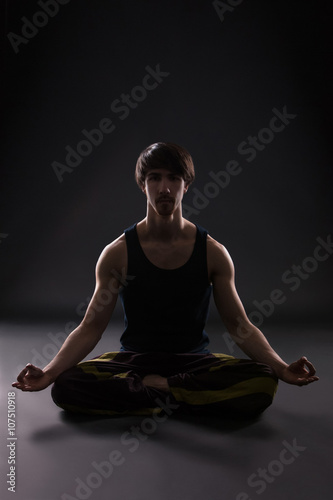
{"points": [[157, 382]]}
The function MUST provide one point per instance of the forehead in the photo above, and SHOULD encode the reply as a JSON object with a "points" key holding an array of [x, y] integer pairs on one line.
{"points": [[162, 171]]}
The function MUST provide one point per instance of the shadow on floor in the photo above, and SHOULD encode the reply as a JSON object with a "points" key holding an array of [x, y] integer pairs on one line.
{"points": [[113, 426]]}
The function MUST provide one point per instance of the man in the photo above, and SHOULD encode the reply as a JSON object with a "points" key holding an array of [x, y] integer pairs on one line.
{"points": [[171, 266]]}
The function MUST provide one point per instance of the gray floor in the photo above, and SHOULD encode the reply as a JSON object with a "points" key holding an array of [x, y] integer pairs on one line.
{"points": [[286, 454]]}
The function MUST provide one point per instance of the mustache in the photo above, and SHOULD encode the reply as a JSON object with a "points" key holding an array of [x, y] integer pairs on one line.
{"points": [[165, 198]]}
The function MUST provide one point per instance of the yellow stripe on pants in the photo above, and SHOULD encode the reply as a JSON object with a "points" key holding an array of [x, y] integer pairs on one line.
{"points": [[251, 386]]}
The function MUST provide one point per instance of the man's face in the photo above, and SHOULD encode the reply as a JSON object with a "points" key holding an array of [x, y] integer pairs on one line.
{"points": [[164, 190]]}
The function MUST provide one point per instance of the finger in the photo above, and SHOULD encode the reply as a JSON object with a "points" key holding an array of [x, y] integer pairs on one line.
{"points": [[26, 370], [19, 385], [25, 388], [306, 381], [22, 374], [309, 365], [313, 379]]}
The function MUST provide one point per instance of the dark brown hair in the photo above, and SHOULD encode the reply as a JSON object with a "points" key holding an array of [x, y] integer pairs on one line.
{"points": [[165, 155]]}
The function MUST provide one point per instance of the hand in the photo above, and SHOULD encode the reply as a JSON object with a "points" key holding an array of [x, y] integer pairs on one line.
{"points": [[301, 372], [32, 378]]}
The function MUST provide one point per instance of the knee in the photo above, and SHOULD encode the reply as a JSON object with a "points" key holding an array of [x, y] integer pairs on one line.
{"points": [[266, 379], [263, 395], [61, 388], [259, 403]]}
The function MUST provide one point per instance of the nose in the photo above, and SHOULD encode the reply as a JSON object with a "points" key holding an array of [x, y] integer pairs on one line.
{"points": [[164, 187]]}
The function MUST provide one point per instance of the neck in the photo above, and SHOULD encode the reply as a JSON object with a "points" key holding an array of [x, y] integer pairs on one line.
{"points": [[163, 228]]}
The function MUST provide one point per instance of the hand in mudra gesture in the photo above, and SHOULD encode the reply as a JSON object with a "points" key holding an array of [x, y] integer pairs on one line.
{"points": [[32, 378], [301, 372]]}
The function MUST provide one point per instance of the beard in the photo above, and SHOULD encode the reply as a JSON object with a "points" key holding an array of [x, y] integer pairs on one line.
{"points": [[165, 205]]}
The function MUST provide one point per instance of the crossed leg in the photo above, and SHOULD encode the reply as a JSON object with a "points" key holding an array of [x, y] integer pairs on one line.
{"points": [[128, 383]]}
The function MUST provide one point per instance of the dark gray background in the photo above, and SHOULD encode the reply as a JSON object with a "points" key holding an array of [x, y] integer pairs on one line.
{"points": [[224, 80]]}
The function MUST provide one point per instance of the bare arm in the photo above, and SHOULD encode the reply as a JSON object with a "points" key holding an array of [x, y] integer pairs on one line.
{"points": [[85, 337], [247, 336]]}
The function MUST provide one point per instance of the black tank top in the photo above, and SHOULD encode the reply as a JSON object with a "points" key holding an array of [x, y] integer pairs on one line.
{"points": [[165, 310]]}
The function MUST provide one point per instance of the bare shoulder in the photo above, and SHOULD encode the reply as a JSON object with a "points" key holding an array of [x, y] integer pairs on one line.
{"points": [[113, 257], [216, 250], [218, 258]]}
